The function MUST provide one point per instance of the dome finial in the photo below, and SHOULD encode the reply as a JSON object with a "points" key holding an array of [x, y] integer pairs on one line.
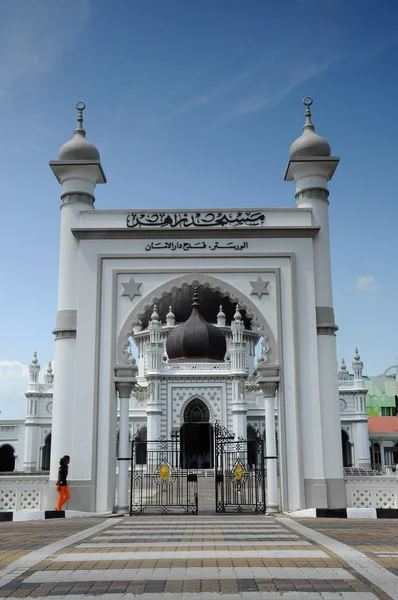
{"points": [[307, 101], [80, 129], [195, 298]]}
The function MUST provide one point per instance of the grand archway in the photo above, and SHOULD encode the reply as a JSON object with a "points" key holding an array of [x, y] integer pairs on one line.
{"points": [[197, 438]]}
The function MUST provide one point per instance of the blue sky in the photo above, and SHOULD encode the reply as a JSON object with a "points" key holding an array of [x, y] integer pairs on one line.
{"points": [[195, 103]]}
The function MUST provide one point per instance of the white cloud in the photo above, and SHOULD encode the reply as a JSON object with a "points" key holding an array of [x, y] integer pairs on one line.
{"points": [[366, 283], [14, 377]]}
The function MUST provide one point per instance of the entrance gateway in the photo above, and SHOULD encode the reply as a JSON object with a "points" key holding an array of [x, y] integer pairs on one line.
{"points": [[184, 330], [175, 469]]}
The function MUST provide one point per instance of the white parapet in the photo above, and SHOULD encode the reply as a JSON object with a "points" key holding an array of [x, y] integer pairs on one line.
{"points": [[22, 492], [372, 492]]}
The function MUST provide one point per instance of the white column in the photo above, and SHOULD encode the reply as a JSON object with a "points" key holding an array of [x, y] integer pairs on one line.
{"points": [[30, 447], [154, 413], [269, 390], [124, 389], [382, 457], [239, 411], [268, 379], [361, 444]]}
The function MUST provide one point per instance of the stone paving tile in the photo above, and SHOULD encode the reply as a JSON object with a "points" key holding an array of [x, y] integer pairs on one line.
{"points": [[194, 576]]}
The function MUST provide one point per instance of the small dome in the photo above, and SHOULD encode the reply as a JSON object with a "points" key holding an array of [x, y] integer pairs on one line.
{"points": [[221, 314], [309, 143], [196, 339], [78, 148]]}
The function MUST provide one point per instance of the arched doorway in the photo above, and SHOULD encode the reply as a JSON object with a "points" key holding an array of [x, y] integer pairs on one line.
{"points": [[251, 446], [197, 444], [7, 458], [346, 449], [140, 439], [45, 461]]}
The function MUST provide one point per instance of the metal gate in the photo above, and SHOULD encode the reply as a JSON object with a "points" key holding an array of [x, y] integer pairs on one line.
{"points": [[158, 482], [240, 478]]}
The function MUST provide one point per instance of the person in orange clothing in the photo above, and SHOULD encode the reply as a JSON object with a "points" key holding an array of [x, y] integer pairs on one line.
{"points": [[62, 484]]}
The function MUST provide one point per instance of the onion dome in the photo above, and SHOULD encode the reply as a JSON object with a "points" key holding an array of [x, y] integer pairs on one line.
{"points": [[78, 148], [155, 314], [196, 339], [170, 318], [309, 143], [237, 315], [49, 374]]}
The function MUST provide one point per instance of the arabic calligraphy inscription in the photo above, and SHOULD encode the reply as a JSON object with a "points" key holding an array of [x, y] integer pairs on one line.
{"points": [[186, 246], [184, 220]]}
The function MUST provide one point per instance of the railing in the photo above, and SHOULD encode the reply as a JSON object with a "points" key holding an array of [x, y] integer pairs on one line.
{"points": [[22, 492], [345, 385], [197, 367]]}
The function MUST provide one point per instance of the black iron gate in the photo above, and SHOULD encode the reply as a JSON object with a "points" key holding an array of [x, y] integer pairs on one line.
{"points": [[240, 478], [159, 482]]}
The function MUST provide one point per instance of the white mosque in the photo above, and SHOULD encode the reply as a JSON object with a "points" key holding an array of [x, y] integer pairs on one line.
{"points": [[180, 323]]}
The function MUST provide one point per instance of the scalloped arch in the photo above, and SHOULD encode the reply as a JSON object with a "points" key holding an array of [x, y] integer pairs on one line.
{"points": [[224, 288]]}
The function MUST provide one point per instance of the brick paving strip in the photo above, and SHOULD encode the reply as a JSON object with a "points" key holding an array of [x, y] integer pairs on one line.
{"points": [[28, 561], [191, 558], [364, 565]]}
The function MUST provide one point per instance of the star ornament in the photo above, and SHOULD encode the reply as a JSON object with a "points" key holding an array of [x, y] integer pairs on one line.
{"points": [[131, 289], [259, 288]]}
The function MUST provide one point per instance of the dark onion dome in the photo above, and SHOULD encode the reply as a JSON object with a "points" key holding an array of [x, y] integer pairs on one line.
{"points": [[196, 339]]}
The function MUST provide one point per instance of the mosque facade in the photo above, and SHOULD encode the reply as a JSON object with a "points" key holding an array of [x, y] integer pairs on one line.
{"points": [[178, 322]]}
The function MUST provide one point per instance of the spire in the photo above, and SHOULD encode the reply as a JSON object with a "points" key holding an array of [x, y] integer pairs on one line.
{"points": [[170, 318], [34, 369], [221, 320], [49, 374]]}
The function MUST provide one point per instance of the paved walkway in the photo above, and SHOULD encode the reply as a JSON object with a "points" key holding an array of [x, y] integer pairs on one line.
{"points": [[190, 558]]}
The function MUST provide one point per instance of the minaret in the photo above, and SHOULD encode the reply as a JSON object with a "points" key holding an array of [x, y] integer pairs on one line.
{"points": [[34, 371], [311, 166], [237, 351], [78, 170], [155, 351], [360, 432], [31, 438]]}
